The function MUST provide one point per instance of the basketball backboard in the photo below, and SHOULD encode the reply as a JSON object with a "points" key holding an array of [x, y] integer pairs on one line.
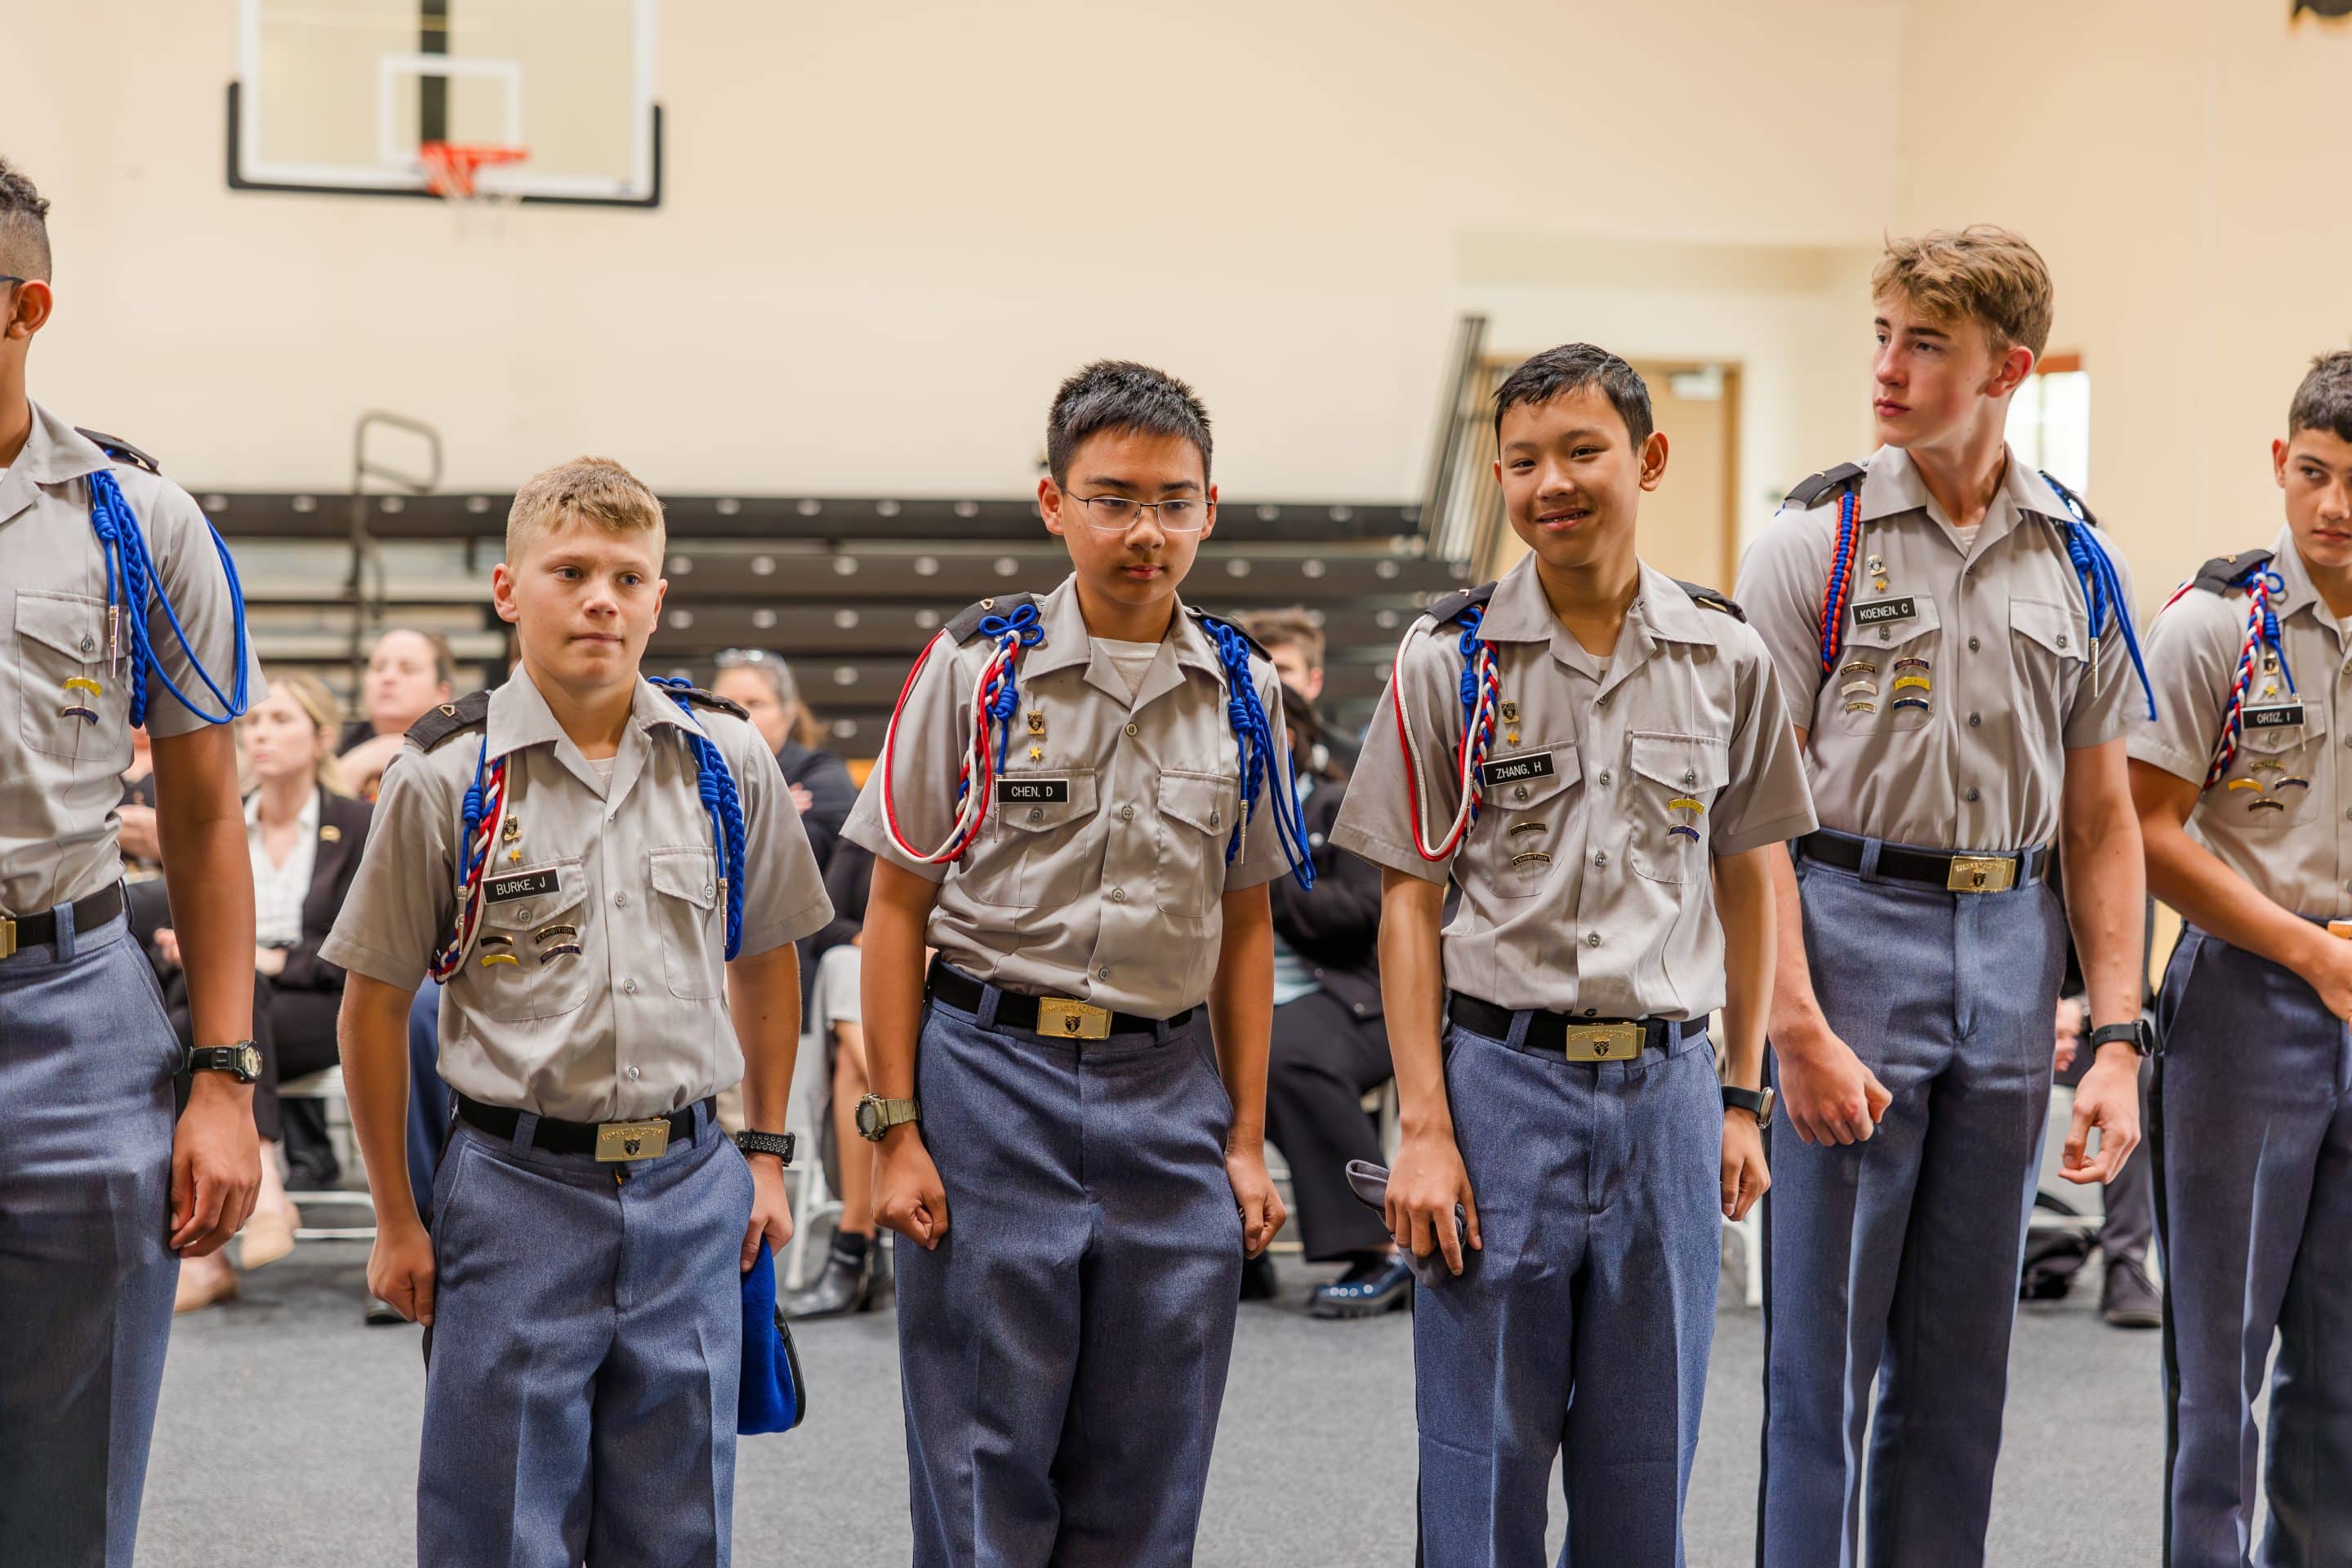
{"points": [[337, 96]]}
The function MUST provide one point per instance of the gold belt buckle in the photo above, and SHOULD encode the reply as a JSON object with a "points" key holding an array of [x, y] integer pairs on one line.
{"points": [[7, 937], [1602, 1042], [1982, 874], [1069, 1020], [632, 1139]]}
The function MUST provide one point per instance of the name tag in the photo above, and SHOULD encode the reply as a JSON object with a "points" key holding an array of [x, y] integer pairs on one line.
{"points": [[2281, 716], [1882, 612], [529, 885], [1032, 792], [1516, 770]]}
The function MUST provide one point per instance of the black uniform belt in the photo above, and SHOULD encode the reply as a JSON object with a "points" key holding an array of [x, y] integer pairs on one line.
{"points": [[1564, 1034], [1064, 1018], [1955, 873], [606, 1140], [41, 930]]}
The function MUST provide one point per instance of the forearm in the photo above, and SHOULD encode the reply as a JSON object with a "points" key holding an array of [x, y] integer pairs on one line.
{"points": [[2215, 898], [890, 979], [2106, 902], [1746, 895], [764, 995], [372, 1033], [1240, 1011], [208, 869], [1792, 1012], [1413, 998]]}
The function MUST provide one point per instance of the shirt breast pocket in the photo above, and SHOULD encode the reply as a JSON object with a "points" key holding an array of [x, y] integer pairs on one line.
{"points": [[65, 686], [1676, 781], [2051, 649], [1885, 683], [1524, 818], [1014, 866], [2276, 773], [527, 961], [1196, 821], [688, 909]]}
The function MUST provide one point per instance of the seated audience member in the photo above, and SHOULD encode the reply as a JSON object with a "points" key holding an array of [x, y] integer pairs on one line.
{"points": [[1330, 1045], [847, 1283], [407, 675], [1293, 640], [305, 838], [819, 780]]}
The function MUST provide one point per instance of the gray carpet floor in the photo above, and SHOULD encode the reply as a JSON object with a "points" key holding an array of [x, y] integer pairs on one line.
{"points": [[289, 1431]]}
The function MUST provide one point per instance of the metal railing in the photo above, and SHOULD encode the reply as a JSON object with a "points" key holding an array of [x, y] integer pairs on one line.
{"points": [[367, 562], [1450, 508]]}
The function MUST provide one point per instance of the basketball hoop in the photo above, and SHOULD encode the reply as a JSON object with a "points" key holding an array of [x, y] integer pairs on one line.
{"points": [[450, 168]]}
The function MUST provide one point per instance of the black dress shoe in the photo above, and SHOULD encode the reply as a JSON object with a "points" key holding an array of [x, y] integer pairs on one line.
{"points": [[1259, 1281], [2128, 1299], [844, 1288], [1375, 1285]]}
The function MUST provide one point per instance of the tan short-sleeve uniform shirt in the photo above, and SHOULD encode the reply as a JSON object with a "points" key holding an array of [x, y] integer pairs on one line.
{"points": [[1965, 680], [61, 773], [1099, 871], [635, 1022], [2281, 815], [1579, 893]]}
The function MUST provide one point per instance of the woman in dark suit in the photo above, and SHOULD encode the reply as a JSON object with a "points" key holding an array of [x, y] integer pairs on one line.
{"points": [[305, 837]]}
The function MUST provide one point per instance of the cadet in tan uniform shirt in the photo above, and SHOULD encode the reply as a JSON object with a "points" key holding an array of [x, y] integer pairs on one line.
{"points": [[613, 952], [2245, 787], [1956, 639], [1577, 1119], [100, 1191], [1074, 1162]]}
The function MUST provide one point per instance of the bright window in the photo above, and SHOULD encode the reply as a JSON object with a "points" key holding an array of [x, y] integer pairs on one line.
{"points": [[2050, 422]]}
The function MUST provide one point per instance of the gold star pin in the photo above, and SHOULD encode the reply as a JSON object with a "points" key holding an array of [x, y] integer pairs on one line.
{"points": [[1512, 737], [1036, 754]]}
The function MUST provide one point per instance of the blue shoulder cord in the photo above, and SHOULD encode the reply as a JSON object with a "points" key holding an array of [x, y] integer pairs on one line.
{"points": [[717, 787], [2100, 587], [130, 581], [1023, 629], [1255, 734]]}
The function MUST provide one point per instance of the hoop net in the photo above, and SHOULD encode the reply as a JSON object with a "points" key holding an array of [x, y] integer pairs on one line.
{"points": [[450, 167]]}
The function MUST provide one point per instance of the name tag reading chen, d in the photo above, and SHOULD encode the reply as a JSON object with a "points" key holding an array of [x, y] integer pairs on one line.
{"points": [[1032, 792], [529, 885], [1516, 770]]}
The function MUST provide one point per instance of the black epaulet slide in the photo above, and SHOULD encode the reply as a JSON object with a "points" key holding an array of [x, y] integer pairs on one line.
{"points": [[1712, 599], [471, 711], [2221, 574], [712, 700], [121, 450], [966, 626], [1808, 493], [2075, 503], [1206, 619], [1450, 608]]}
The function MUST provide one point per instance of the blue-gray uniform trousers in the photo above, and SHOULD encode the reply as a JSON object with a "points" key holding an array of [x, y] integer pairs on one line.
{"points": [[86, 1276], [1063, 1348], [1582, 1328], [1897, 1260], [2253, 1118], [586, 1354]]}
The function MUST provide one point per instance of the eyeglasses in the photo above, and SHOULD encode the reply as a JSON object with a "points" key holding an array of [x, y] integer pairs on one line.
{"points": [[1117, 514], [9, 277]]}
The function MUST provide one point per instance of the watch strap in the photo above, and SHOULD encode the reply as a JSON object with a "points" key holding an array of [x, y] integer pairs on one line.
{"points": [[2135, 1034], [889, 1113], [222, 1058], [1757, 1102], [779, 1144]]}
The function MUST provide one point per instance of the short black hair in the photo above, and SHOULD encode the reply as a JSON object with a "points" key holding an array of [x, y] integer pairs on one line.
{"points": [[1572, 367], [2323, 401], [1120, 394], [23, 227]]}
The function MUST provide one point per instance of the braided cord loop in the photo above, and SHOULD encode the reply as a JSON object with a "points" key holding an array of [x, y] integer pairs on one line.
{"points": [[995, 698], [1261, 752], [132, 581], [714, 781], [1481, 692]]}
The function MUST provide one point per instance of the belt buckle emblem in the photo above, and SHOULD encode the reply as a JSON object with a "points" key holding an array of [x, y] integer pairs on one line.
{"points": [[617, 1140], [1602, 1042], [7, 937], [1064, 1018], [1982, 874]]}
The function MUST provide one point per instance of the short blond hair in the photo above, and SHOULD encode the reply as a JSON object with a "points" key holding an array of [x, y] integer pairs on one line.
{"points": [[1981, 273], [319, 705], [596, 490]]}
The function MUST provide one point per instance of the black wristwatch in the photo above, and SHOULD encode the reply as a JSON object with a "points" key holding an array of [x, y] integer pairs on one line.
{"points": [[2139, 1034], [1757, 1102], [241, 1061], [779, 1144]]}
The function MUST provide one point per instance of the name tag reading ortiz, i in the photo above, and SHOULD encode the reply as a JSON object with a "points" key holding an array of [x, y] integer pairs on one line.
{"points": [[1884, 612], [1516, 770], [2279, 716], [1032, 792], [529, 885]]}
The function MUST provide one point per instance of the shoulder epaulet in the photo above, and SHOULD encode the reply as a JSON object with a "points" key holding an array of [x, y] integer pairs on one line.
{"points": [[712, 700], [1808, 492], [1712, 598], [1206, 619], [1450, 608], [2224, 572], [966, 624], [471, 711], [2075, 503], [121, 450]]}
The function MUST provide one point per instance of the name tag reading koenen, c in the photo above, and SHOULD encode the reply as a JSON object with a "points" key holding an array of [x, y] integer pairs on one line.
{"points": [[1032, 792], [529, 885], [1883, 612], [1515, 770]]}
